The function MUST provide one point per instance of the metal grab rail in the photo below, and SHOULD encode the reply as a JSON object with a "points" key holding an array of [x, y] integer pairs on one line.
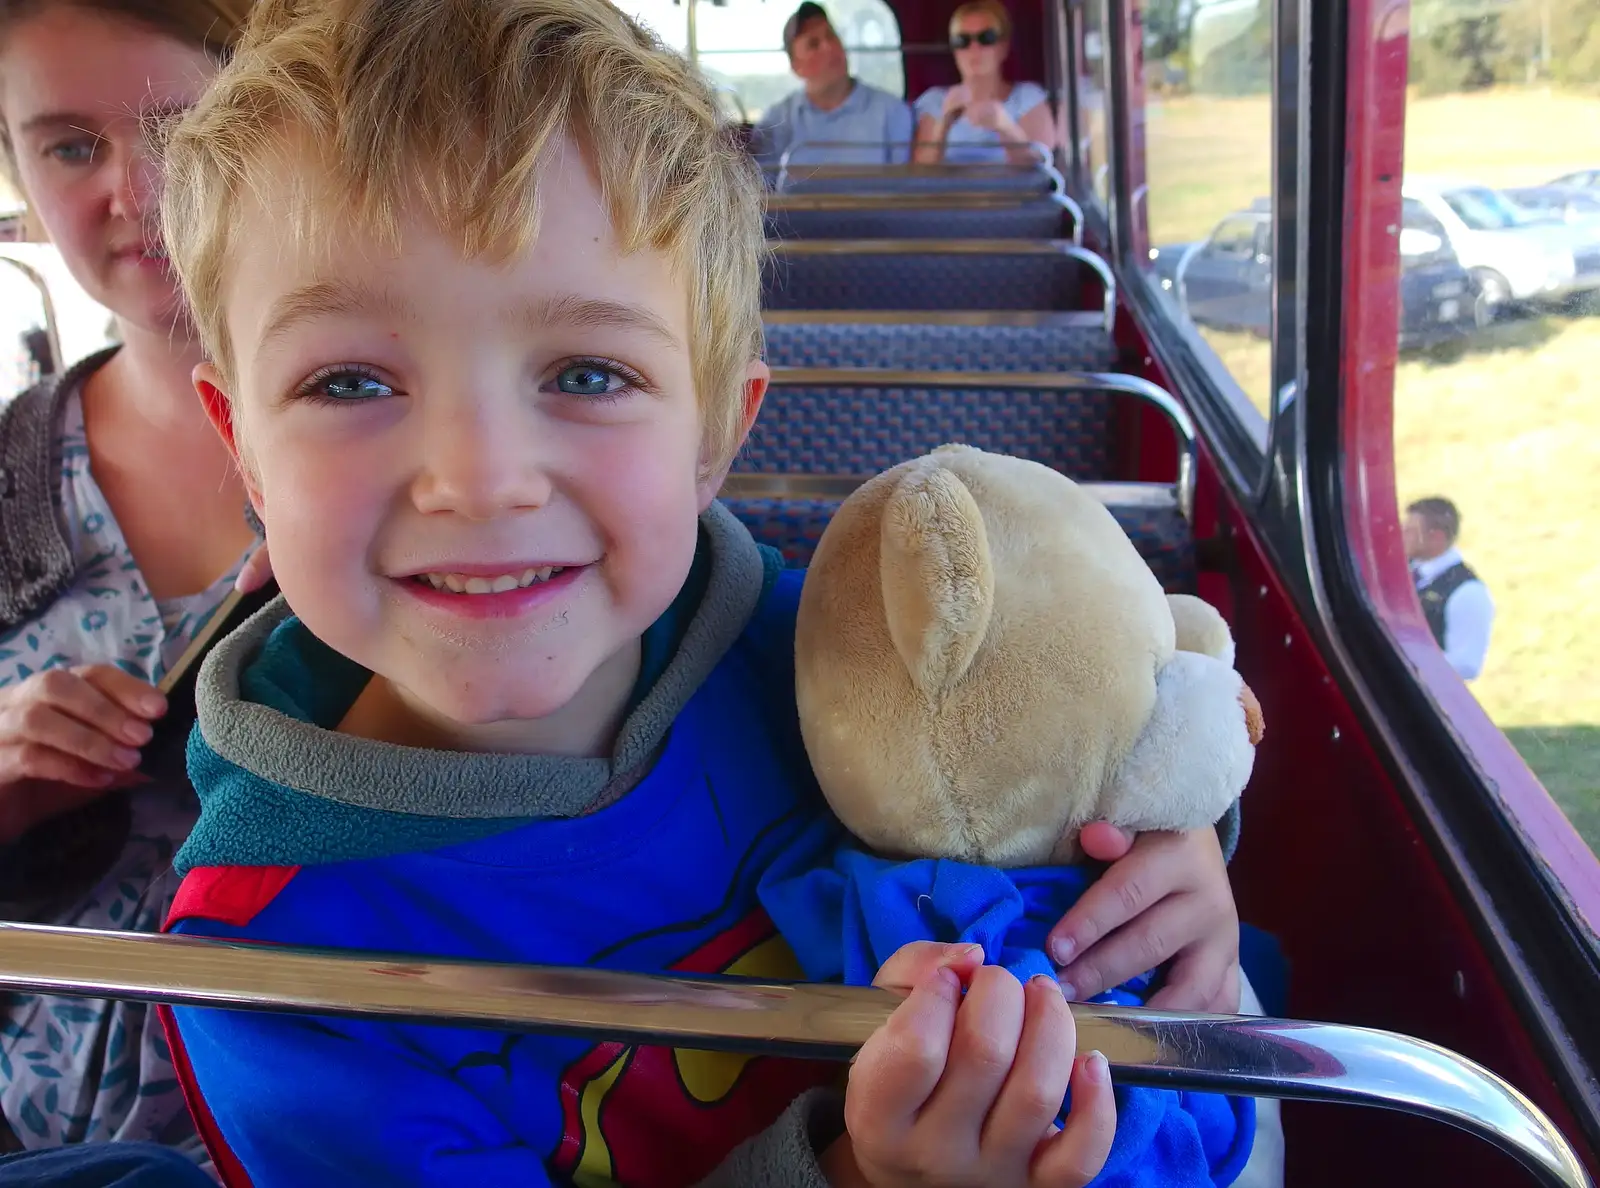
{"points": [[51, 326], [832, 171], [954, 200], [1251, 1056], [962, 247], [997, 381]]}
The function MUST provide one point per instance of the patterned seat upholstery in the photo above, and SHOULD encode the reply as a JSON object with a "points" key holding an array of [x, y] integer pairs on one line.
{"points": [[793, 527], [865, 430], [1080, 345], [923, 281], [1035, 220]]}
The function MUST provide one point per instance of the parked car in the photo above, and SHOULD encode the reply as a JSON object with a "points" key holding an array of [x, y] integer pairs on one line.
{"points": [[1513, 254], [1567, 204], [1583, 178], [1226, 279]]}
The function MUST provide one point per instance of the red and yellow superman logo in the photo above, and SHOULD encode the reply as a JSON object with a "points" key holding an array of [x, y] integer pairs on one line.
{"points": [[649, 1117]]}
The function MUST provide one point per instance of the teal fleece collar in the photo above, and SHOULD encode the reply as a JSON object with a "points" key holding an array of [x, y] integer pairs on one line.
{"points": [[279, 786]]}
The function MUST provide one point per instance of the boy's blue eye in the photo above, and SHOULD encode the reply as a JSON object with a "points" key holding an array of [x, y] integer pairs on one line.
{"points": [[347, 387], [588, 379], [354, 386]]}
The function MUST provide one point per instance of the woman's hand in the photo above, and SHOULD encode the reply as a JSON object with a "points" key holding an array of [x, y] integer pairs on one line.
{"points": [[960, 1089], [956, 101], [1165, 897], [992, 114], [65, 729], [256, 571]]}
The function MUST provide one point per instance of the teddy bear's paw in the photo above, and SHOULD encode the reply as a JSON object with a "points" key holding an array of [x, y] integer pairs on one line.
{"points": [[1194, 756], [1201, 628], [1255, 721]]}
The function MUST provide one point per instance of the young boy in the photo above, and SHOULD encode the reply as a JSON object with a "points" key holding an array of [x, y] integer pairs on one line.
{"points": [[480, 279]]}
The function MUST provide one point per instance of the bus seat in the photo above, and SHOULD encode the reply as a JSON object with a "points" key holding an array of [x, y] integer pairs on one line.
{"points": [[919, 279], [824, 429], [793, 521], [1070, 341]]}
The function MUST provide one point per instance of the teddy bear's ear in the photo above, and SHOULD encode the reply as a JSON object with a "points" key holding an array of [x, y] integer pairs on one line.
{"points": [[937, 576]]}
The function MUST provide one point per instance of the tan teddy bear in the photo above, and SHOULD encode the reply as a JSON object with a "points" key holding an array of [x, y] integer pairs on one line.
{"points": [[984, 664]]}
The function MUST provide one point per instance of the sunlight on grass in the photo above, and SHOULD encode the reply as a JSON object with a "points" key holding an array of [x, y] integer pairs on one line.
{"points": [[1511, 433], [1509, 429]]}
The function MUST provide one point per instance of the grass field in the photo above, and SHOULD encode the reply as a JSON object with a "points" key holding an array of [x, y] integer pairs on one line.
{"points": [[1510, 429]]}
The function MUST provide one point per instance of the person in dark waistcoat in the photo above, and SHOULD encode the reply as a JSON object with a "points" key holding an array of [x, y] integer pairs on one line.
{"points": [[1454, 599]]}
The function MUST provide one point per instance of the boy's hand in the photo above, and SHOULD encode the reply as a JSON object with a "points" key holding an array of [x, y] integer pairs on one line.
{"points": [[1165, 898], [959, 1090]]}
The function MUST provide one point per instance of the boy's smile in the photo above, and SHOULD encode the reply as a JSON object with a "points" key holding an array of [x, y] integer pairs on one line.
{"points": [[480, 480]]}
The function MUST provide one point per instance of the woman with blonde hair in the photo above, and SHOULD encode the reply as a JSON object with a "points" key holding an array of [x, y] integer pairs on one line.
{"points": [[985, 118], [122, 527]]}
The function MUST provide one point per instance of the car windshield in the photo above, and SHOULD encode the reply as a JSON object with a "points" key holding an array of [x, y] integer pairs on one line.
{"points": [[1483, 209]]}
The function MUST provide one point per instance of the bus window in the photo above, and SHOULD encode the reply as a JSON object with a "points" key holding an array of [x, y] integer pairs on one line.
{"points": [[1496, 428], [1207, 130], [1094, 144], [667, 19]]}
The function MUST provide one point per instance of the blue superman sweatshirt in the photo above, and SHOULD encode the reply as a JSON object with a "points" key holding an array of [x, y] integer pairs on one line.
{"points": [[649, 860]]}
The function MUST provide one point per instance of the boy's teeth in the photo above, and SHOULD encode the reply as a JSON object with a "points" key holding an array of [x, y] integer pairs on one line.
{"points": [[458, 583]]}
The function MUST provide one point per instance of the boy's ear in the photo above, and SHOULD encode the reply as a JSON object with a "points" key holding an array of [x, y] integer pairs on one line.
{"points": [[756, 378], [219, 411]]}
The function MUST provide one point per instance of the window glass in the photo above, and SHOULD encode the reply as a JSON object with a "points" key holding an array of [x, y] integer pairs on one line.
{"points": [[666, 19], [1094, 135], [1497, 429], [1208, 177]]}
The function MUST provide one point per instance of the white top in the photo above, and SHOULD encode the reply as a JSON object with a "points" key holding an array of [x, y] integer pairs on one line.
{"points": [[968, 144], [1468, 614]]}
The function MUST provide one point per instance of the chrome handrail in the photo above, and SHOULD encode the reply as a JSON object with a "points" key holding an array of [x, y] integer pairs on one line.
{"points": [[889, 200], [830, 171], [998, 381], [1260, 1057], [961, 247], [36, 278], [953, 200]]}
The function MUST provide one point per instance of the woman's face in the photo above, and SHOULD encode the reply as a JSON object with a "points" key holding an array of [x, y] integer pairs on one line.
{"points": [[74, 86], [978, 46]]}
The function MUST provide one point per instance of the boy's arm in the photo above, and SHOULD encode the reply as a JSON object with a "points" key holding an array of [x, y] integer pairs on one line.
{"points": [[307, 1102], [788, 1153]]}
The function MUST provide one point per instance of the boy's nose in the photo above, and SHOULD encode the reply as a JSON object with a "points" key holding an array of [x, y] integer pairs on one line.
{"points": [[479, 463]]}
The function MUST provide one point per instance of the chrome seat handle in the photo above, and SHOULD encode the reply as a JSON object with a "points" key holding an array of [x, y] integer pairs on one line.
{"points": [[1244, 1055]]}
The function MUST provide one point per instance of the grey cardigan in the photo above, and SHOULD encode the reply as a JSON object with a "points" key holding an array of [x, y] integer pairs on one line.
{"points": [[36, 562]]}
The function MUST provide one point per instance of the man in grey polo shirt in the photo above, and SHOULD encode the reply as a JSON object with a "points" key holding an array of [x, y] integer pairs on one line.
{"points": [[846, 120]]}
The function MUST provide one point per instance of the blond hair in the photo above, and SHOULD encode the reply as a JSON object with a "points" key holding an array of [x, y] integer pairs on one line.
{"points": [[453, 104], [989, 8]]}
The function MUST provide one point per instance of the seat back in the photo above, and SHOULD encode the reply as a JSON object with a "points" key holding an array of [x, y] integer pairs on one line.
{"points": [[790, 513], [1055, 342], [926, 274]]}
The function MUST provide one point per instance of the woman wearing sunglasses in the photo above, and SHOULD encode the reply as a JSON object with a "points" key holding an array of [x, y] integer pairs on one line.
{"points": [[985, 119]]}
